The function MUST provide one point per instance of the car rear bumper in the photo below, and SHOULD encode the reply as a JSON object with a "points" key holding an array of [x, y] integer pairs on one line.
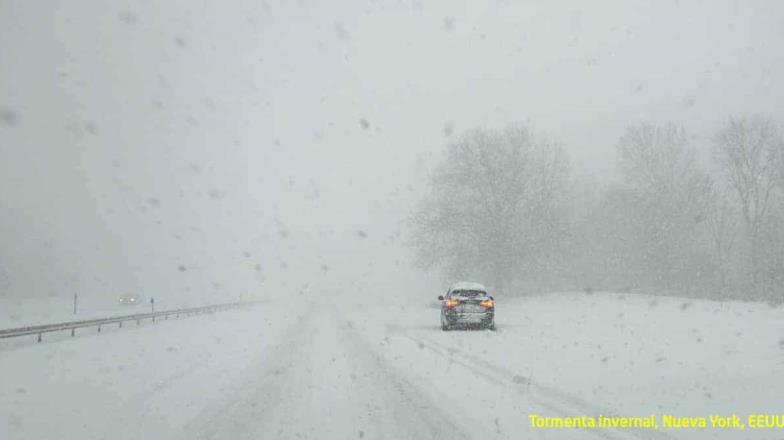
{"points": [[482, 318]]}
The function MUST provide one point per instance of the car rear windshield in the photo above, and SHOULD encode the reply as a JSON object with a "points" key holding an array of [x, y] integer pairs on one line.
{"points": [[467, 293]]}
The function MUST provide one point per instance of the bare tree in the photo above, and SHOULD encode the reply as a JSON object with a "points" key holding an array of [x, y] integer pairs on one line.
{"points": [[493, 206], [668, 203], [749, 152], [722, 224]]}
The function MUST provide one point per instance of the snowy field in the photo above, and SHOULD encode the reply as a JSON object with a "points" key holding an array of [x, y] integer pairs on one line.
{"points": [[343, 370]]}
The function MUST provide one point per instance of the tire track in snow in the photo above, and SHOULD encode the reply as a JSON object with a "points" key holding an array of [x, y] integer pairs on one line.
{"points": [[376, 403], [481, 372], [417, 413], [556, 400], [255, 397]]}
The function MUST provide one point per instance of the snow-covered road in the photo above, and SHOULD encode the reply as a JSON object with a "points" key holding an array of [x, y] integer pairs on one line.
{"points": [[341, 370]]}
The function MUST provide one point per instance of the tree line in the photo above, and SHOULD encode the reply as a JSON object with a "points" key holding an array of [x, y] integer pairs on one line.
{"points": [[503, 206]]}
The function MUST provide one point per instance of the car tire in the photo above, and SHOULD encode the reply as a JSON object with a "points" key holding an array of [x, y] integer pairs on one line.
{"points": [[491, 326], [445, 327]]}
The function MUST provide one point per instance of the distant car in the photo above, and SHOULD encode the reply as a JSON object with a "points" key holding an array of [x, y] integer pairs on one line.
{"points": [[467, 305], [130, 299]]}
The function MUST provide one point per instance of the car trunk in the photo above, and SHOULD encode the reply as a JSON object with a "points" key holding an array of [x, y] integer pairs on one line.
{"points": [[469, 306]]}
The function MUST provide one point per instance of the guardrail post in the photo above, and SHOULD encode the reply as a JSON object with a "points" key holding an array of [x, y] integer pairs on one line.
{"points": [[73, 331], [119, 324], [153, 318], [137, 322], [39, 337], [99, 329]]}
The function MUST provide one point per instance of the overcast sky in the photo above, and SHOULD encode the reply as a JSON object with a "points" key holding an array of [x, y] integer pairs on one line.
{"points": [[205, 149]]}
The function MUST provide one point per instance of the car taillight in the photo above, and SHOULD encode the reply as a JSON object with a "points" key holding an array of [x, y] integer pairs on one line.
{"points": [[486, 303], [451, 303]]}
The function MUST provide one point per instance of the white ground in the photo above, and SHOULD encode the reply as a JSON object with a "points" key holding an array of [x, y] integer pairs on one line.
{"points": [[343, 370]]}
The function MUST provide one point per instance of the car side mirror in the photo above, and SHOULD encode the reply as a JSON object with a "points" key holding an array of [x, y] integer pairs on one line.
{"points": [[440, 297]]}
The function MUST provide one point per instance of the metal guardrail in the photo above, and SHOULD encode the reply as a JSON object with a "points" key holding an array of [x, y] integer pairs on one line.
{"points": [[99, 322]]}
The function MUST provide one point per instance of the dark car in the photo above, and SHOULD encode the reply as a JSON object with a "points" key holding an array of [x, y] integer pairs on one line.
{"points": [[467, 305], [130, 299]]}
